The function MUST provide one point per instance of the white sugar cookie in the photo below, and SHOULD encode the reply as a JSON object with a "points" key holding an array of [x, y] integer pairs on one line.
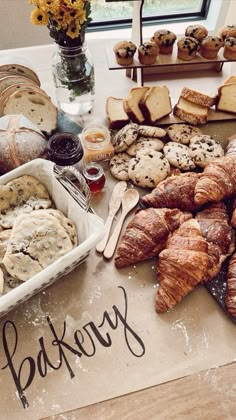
{"points": [[178, 156], [204, 149], [147, 169]]}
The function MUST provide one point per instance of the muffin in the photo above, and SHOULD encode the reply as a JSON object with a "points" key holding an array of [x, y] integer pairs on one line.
{"points": [[199, 32], [187, 48], [165, 40], [227, 32], [210, 46], [124, 52], [148, 52], [230, 48]]}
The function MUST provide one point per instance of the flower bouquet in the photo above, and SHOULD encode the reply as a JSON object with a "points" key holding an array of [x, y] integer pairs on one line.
{"points": [[73, 69]]}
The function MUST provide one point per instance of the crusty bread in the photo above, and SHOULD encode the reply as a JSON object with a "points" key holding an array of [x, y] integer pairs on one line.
{"points": [[20, 142], [131, 104], [12, 79], [198, 97], [227, 98], [230, 79], [189, 112], [116, 115], [20, 70], [16, 87], [156, 103], [35, 106]]}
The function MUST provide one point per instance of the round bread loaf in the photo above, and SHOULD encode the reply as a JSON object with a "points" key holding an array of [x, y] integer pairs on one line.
{"points": [[35, 106], [20, 142]]}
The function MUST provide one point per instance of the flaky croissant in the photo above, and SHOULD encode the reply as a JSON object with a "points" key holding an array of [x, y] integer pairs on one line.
{"points": [[217, 182], [181, 265], [174, 192], [230, 299], [215, 228], [146, 234]]}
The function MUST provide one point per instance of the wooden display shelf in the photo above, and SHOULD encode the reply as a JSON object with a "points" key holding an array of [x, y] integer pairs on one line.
{"points": [[213, 116], [165, 63]]}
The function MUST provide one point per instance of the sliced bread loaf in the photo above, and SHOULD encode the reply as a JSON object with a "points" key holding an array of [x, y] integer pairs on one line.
{"points": [[131, 104], [198, 97], [227, 98], [189, 112], [156, 103], [116, 115], [230, 79], [16, 87], [35, 106], [20, 70]]}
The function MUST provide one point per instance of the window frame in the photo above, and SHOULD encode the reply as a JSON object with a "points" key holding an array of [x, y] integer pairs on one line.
{"points": [[151, 20]]}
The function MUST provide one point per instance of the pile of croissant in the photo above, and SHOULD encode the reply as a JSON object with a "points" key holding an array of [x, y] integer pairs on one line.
{"points": [[188, 223]]}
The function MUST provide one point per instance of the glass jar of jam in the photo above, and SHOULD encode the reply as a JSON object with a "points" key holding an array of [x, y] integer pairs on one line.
{"points": [[95, 177], [65, 149], [96, 143]]}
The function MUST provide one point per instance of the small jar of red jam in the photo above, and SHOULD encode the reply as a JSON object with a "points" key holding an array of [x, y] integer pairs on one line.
{"points": [[65, 149], [95, 177]]}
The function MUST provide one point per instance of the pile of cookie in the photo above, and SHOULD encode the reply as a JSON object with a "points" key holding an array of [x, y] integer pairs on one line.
{"points": [[147, 155], [33, 234]]}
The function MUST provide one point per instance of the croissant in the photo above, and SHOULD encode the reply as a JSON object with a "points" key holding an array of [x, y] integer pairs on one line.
{"points": [[146, 234], [181, 265], [218, 181], [174, 192], [230, 299], [215, 228]]}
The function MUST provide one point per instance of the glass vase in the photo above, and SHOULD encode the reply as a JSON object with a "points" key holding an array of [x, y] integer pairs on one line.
{"points": [[73, 74]]}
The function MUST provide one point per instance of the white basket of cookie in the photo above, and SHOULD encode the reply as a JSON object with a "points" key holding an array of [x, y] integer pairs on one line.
{"points": [[46, 229]]}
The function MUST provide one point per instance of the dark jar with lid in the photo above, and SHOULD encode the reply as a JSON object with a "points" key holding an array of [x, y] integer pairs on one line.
{"points": [[65, 149]]}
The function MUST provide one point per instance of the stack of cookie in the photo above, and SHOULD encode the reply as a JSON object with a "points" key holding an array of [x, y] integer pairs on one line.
{"points": [[32, 233], [147, 155]]}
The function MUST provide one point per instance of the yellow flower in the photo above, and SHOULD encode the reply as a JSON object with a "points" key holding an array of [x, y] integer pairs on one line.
{"points": [[39, 17], [74, 4], [73, 30]]}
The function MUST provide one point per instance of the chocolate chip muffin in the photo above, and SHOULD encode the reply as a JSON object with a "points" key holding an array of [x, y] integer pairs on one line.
{"points": [[124, 52], [199, 32], [230, 48], [165, 40], [227, 32], [148, 52], [210, 46], [187, 48]]}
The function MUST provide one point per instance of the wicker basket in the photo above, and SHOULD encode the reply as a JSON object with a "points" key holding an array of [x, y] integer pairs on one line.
{"points": [[74, 201]]}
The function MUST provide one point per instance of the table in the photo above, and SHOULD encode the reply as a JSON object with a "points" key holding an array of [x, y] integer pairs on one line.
{"points": [[209, 394]]}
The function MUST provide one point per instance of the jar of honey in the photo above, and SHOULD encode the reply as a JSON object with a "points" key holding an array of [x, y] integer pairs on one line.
{"points": [[96, 143], [95, 177]]}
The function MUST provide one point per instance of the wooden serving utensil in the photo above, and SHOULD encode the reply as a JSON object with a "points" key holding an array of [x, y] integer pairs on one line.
{"points": [[114, 205], [129, 201]]}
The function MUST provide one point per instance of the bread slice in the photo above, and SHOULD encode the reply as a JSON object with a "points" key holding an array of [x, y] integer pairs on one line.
{"points": [[230, 79], [20, 70], [189, 112], [116, 115], [131, 104], [198, 97], [12, 80], [16, 87], [227, 98], [156, 103], [35, 106]]}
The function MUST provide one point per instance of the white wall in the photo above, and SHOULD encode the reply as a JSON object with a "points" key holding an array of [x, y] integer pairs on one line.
{"points": [[16, 29]]}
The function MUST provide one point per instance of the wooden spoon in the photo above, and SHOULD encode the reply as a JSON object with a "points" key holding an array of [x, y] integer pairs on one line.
{"points": [[114, 205], [129, 201]]}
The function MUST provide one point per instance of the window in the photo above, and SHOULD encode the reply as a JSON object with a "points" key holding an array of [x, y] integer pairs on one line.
{"points": [[119, 13]]}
